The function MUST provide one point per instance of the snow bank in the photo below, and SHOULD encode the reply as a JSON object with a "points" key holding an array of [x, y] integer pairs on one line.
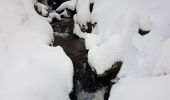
{"points": [[29, 68], [145, 58], [116, 48], [142, 89], [142, 55]]}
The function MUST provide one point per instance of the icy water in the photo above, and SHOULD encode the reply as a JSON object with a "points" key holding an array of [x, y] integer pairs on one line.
{"points": [[87, 85]]}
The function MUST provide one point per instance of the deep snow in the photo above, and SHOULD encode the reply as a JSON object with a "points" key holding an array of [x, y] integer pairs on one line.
{"points": [[116, 38], [30, 69]]}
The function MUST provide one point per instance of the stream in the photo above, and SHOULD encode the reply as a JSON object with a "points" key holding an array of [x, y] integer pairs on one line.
{"points": [[87, 85]]}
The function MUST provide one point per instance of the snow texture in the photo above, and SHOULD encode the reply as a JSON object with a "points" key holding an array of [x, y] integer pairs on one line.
{"points": [[71, 4], [42, 8], [29, 68], [54, 15], [156, 88], [144, 74], [117, 28], [83, 13]]}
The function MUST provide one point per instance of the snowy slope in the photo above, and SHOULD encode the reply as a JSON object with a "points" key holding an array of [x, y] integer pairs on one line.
{"points": [[29, 68]]}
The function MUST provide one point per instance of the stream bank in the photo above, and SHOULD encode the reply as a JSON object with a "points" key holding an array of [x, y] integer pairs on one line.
{"points": [[87, 85]]}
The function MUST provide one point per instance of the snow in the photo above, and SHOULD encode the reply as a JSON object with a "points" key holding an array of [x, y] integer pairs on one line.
{"points": [[82, 17], [71, 4], [83, 12], [116, 48], [140, 54], [145, 24], [78, 31], [54, 15], [42, 8], [65, 13], [156, 88], [144, 74], [32, 70], [29, 68], [91, 40]]}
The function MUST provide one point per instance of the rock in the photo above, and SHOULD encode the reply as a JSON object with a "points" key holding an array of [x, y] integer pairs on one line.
{"points": [[66, 25]]}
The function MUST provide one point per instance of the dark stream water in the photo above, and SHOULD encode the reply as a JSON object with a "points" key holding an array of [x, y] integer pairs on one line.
{"points": [[87, 85]]}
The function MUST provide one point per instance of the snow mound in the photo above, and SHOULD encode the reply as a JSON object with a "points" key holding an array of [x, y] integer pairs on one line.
{"points": [[141, 55], [29, 68]]}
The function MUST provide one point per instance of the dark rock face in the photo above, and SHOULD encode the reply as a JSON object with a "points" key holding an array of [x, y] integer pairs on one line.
{"points": [[91, 7], [143, 32], [87, 85]]}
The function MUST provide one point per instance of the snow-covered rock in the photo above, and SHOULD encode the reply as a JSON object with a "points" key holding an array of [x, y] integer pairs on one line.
{"points": [[42, 8], [111, 18], [54, 15], [83, 13], [71, 4]]}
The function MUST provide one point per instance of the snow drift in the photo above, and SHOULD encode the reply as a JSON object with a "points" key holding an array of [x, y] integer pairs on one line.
{"points": [[29, 68], [116, 38], [116, 17]]}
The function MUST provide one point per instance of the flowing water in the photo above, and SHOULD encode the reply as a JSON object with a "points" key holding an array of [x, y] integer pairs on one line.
{"points": [[87, 85]]}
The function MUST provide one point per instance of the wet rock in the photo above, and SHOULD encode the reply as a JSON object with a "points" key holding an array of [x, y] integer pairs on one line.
{"points": [[89, 28], [111, 73]]}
